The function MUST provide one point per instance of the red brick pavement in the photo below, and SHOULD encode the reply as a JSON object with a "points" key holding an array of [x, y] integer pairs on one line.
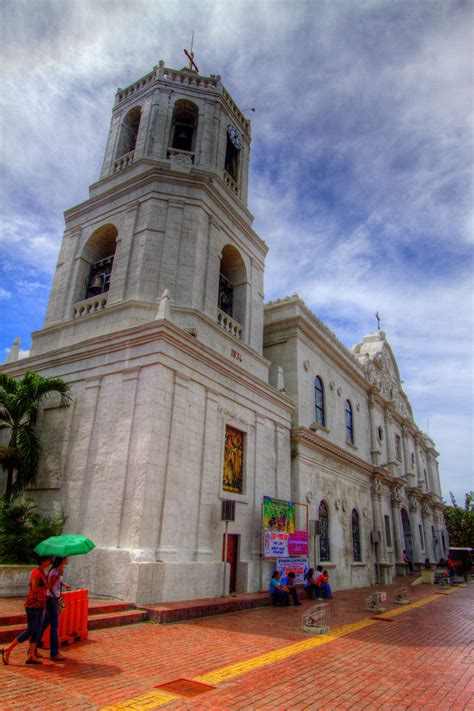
{"points": [[424, 659]]}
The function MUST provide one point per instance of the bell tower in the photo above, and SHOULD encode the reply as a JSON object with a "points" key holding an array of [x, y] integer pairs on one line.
{"points": [[167, 218], [185, 119]]}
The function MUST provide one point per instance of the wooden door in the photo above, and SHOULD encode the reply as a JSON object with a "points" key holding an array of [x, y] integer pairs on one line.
{"points": [[232, 557]]}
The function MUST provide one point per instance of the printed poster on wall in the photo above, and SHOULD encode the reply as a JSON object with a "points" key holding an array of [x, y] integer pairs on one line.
{"points": [[275, 544], [299, 566], [278, 515], [298, 544]]}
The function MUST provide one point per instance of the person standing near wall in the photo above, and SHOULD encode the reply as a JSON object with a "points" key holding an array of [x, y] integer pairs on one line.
{"points": [[35, 606]]}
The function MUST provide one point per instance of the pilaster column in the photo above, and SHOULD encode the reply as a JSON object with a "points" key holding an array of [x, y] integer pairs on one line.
{"points": [[395, 501], [392, 462], [420, 480], [426, 531], [176, 474], [374, 449], [409, 473], [211, 458], [413, 508], [121, 266], [376, 494], [430, 488]]}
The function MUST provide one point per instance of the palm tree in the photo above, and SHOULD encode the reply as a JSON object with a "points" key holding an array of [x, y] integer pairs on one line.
{"points": [[19, 403]]}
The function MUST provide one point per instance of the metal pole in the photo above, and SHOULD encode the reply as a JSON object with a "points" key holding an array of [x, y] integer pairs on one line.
{"points": [[225, 559]]}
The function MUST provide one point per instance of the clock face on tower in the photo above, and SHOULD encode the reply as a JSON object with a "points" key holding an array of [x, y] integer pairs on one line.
{"points": [[234, 137]]}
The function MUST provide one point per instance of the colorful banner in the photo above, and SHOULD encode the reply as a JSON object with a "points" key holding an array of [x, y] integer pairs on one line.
{"points": [[278, 515], [298, 544], [299, 566], [275, 544]]}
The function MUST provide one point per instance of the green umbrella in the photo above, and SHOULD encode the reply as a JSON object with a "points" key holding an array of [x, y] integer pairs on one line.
{"points": [[64, 546]]}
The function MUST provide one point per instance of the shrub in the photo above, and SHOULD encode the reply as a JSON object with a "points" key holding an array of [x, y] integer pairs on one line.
{"points": [[22, 528]]}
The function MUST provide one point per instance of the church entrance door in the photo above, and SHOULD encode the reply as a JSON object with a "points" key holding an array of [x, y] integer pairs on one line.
{"points": [[232, 557]]}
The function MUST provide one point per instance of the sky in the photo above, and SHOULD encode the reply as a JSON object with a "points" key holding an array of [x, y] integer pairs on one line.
{"points": [[361, 169]]}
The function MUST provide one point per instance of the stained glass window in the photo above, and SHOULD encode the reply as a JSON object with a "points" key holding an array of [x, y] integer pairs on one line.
{"points": [[319, 401], [233, 460], [356, 552], [324, 551]]}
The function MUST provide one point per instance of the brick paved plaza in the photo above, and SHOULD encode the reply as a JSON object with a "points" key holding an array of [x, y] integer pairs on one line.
{"points": [[421, 656]]}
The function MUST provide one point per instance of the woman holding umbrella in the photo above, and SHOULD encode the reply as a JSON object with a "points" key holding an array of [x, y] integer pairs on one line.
{"points": [[55, 583], [35, 606]]}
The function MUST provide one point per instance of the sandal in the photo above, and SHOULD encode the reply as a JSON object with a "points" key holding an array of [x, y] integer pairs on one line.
{"points": [[32, 660], [4, 659]]}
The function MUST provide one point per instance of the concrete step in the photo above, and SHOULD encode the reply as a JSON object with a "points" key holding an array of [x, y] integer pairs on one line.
{"points": [[116, 619], [111, 614], [191, 609]]}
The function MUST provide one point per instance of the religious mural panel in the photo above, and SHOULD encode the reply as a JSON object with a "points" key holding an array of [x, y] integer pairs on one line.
{"points": [[233, 461]]}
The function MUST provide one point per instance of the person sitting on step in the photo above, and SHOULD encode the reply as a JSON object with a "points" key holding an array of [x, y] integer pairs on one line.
{"points": [[289, 582], [323, 584], [278, 591]]}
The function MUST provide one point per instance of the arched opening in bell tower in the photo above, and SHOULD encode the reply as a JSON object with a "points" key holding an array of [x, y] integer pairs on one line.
{"points": [[99, 254], [232, 284], [184, 128], [129, 132]]}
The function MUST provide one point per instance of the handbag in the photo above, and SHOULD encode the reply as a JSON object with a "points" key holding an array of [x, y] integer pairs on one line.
{"points": [[61, 604]]}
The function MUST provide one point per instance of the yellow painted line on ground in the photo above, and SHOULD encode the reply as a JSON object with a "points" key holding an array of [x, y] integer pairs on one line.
{"points": [[151, 700], [155, 699], [407, 608], [225, 673]]}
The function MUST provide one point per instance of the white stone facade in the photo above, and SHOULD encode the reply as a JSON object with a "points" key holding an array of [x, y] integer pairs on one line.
{"points": [[387, 474], [156, 319]]}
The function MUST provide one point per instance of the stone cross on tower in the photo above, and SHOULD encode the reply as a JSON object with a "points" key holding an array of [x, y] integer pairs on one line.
{"points": [[193, 67], [377, 316]]}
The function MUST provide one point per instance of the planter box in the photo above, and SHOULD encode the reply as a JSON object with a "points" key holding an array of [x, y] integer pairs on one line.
{"points": [[428, 577], [14, 580]]}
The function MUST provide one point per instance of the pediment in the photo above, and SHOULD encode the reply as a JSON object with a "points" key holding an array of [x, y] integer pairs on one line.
{"points": [[381, 370]]}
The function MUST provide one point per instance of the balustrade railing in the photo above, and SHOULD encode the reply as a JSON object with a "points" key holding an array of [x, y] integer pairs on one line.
{"points": [[228, 324], [123, 161], [230, 182], [90, 306]]}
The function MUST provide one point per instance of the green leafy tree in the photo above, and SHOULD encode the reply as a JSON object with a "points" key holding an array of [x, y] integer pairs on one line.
{"points": [[22, 528], [19, 403], [460, 522]]}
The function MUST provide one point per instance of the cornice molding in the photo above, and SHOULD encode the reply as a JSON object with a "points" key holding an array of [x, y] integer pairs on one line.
{"points": [[152, 332], [302, 435], [159, 171]]}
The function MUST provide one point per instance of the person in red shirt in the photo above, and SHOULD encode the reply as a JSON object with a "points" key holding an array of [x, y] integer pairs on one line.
{"points": [[35, 606], [323, 584]]}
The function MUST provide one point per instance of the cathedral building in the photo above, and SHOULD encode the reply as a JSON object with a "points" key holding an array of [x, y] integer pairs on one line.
{"points": [[188, 391]]}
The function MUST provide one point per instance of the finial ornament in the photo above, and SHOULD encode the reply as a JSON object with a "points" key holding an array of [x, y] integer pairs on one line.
{"points": [[193, 67], [377, 316]]}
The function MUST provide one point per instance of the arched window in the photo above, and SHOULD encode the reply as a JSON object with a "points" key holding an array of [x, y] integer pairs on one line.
{"points": [[319, 401], [183, 132], [99, 254], [324, 551], [129, 132], [356, 550], [349, 423], [232, 284]]}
